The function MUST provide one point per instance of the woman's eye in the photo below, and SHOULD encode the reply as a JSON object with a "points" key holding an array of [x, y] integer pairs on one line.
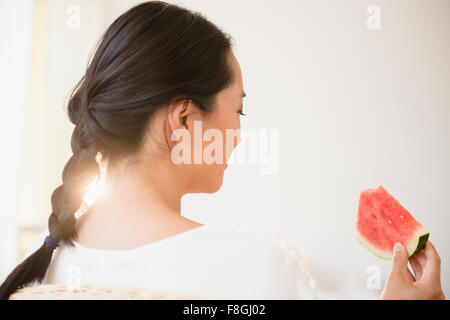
{"points": [[241, 113]]}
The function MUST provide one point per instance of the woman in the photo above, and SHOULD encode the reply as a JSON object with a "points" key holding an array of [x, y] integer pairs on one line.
{"points": [[158, 71]]}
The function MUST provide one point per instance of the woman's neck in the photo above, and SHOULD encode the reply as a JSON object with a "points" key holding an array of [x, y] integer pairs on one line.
{"points": [[134, 210]]}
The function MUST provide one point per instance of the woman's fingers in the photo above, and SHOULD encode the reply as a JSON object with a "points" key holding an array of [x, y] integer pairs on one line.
{"points": [[400, 283], [411, 276], [416, 266], [399, 268], [432, 268], [421, 258]]}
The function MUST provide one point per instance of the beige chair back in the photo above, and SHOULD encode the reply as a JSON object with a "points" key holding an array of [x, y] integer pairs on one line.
{"points": [[96, 292]]}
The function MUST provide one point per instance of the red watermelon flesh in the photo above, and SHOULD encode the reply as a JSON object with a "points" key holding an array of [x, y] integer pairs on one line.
{"points": [[382, 221]]}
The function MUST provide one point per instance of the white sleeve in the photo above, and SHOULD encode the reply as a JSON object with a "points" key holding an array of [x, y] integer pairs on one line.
{"points": [[294, 269], [281, 262]]}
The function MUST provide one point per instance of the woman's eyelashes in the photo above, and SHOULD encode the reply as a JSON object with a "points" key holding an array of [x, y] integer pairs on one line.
{"points": [[241, 113]]}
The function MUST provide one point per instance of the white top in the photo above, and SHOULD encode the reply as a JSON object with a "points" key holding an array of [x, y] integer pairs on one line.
{"points": [[214, 261]]}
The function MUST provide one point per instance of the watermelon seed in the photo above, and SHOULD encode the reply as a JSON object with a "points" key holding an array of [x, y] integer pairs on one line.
{"points": [[389, 221], [401, 217]]}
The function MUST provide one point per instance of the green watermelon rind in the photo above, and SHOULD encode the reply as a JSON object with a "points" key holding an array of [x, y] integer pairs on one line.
{"points": [[420, 239], [422, 242]]}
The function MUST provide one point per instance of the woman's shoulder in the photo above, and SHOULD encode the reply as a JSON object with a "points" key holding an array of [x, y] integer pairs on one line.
{"points": [[248, 241], [255, 235], [263, 258], [266, 248]]}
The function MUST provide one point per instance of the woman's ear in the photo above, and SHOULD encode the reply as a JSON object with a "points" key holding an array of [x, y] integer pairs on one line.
{"points": [[178, 113]]}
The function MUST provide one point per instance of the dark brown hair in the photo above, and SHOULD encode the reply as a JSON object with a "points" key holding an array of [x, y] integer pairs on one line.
{"points": [[150, 56]]}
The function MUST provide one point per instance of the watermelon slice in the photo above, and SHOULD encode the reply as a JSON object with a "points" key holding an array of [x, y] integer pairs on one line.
{"points": [[382, 221]]}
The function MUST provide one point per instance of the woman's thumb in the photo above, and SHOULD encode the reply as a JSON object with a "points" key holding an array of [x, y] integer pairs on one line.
{"points": [[400, 259]]}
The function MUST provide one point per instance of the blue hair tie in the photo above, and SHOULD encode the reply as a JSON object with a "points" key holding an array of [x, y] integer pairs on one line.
{"points": [[49, 242]]}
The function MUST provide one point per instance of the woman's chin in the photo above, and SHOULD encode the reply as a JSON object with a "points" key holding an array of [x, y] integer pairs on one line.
{"points": [[216, 185], [209, 181]]}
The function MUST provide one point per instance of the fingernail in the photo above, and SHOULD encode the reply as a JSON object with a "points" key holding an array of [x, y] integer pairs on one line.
{"points": [[397, 247]]}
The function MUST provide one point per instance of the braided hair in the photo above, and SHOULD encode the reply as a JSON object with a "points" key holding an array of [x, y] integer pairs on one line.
{"points": [[150, 56]]}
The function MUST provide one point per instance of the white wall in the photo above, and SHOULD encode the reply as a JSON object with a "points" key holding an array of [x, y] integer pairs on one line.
{"points": [[15, 49]]}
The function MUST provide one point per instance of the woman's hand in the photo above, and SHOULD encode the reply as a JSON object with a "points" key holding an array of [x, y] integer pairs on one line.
{"points": [[423, 285]]}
